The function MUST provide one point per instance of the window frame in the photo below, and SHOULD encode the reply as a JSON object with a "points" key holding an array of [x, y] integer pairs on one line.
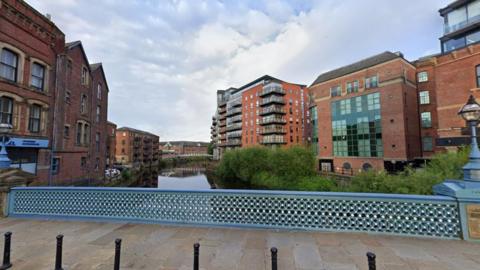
{"points": [[422, 99], [477, 72], [423, 121], [421, 78], [42, 79], [15, 68], [9, 113], [55, 166], [32, 120], [337, 89], [425, 149]]}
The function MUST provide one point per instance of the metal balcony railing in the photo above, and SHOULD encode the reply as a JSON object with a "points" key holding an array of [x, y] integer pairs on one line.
{"points": [[272, 110], [234, 143], [234, 111], [234, 119], [272, 89], [452, 28], [272, 120], [273, 140], [273, 99], [234, 135], [273, 131], [235, 126]]}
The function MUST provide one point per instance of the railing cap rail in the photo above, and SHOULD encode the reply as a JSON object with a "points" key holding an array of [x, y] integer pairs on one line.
{"points": [[346, 195]]}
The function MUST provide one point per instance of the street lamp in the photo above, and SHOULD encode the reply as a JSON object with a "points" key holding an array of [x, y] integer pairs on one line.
{"points": [[471, 113], [4, 160]]}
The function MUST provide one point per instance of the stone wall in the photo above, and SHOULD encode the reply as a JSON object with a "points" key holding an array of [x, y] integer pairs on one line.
{"points": [[11, 178]]}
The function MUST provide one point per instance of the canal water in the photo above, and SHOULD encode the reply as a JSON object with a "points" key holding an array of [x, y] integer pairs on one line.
{"points": [[192, 179]]}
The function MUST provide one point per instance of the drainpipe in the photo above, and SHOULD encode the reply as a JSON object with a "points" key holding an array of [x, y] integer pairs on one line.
{"points": [[55, 126]]}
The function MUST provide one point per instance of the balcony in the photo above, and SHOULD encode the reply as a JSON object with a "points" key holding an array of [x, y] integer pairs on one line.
{"points": [[273, 140], [272, 120], [271, 100], [223, 130], [236, 126], [234, 111], [273, 130], [234, 135], [222, 123], [447, 29], [233, 143], [236, 103], [234, 119], [272, 109], [222, 110], [272, 89]]}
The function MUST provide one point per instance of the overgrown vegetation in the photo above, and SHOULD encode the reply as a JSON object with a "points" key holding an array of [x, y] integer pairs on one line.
{"points": [[294, 169]]}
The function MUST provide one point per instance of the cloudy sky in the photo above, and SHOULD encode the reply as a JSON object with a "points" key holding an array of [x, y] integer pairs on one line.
{"points": [[164, 60]]}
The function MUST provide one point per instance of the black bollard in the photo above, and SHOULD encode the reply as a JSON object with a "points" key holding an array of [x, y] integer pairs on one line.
{"points": [[371, 261], [6, 252], [274, 257], [118, 245], [58, 257], [196, 253]]}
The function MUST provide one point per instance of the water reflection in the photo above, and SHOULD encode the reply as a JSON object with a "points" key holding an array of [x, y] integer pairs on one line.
{"points": [[185, 179]]}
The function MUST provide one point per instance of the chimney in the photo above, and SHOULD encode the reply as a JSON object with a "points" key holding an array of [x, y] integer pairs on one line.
{"points": [[49, 17]]}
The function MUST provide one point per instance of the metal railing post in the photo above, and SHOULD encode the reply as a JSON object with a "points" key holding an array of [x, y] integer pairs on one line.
{"points": [[6, 252], [274, 251], [58, 257], [196, 253], [371, 261], [118, 246]]}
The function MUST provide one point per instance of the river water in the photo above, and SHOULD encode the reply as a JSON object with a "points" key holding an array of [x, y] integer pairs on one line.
{"points": [[192, 179]]}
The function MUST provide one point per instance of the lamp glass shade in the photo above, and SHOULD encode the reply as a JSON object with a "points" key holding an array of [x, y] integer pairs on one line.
{"points": [[5, 128], [471, 110]]}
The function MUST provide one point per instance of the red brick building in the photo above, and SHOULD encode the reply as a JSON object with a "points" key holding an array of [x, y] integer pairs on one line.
{"points": [[136, 148], [111, 143], [187, 148], [266, 111], [29, 44], [367, 115], [55, 100]]}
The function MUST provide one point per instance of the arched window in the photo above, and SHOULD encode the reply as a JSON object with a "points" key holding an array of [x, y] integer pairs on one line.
{"points": [[367, 166]]}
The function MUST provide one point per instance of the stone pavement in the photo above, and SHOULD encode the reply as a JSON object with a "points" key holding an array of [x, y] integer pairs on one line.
{"points": [[90, 245]]}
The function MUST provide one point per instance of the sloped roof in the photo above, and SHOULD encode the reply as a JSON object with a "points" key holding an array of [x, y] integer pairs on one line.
{"points": [[136, 131], [362, 64]]}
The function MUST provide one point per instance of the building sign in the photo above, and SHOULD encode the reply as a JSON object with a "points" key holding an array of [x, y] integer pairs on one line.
{"points": [[473, 217], [24, 142]]}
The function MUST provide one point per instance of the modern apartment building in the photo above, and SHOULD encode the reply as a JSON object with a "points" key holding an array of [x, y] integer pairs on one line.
{"points": [[461, 24], [266, 111], [136, 148], [54, 99], [366, 115]]}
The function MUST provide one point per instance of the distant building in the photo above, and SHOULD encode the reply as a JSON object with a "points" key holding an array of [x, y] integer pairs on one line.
{"points": [[266, 111], [184, 148], [136, 147], [461, 24]]}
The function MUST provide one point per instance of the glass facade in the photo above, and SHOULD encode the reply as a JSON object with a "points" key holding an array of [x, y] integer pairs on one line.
{"points": [[356, 127]]}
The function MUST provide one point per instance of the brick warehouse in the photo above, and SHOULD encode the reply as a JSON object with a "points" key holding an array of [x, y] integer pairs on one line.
{"points": [[266, 111], [55, 100], [135, 148]]}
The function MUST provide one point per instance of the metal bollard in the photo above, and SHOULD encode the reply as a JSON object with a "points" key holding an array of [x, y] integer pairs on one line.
{"points": [[196, 253], [118, 245], [371, 261], [58, 257], [274, 251], [6, 252]]}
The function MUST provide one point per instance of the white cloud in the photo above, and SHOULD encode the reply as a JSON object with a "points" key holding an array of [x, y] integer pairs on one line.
{"points": [[164, 60]]}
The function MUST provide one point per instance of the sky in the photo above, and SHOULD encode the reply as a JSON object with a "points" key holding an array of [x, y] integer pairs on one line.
{"points": [[165, 60]]}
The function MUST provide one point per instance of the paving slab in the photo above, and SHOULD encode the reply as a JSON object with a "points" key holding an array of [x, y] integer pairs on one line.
{"points": [[90, 245]]}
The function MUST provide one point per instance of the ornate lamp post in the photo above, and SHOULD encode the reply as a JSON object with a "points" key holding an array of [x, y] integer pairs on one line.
{"points": [[471, 113], [4, 160]]}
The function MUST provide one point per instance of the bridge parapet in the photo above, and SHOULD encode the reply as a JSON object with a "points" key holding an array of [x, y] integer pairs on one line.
{"points": [[409, 215]]}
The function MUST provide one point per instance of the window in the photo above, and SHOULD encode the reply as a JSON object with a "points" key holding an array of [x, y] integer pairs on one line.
{"points": [[336, 91], [352, 87], [55, 165], [83, 104], [477, 69], [84, 76], [426, 118], [371, 82], [97, 141], [38, 76], [8, 65], [34, 121], [422, 76], [424, 97], [86, 132], [66, 131], [79, 133], [427, 143], [83, 162], [97, 164], [99, 91], [97, 119], [6, 110], [67, 97]]}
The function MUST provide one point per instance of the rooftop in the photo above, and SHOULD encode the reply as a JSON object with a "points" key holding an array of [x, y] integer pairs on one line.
{"points": [[357, 66], [136, 131], [185, 143], [90, 245]]}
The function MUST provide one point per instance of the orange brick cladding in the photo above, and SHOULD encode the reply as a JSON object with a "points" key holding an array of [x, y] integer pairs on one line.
{"points": [[398, 110], [35, 40], [136, 148]]}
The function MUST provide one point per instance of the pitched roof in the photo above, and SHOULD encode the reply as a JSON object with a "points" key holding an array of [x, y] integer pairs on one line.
{"points": [[73, 44], [95, 66], [136, 131], [362, 64]]}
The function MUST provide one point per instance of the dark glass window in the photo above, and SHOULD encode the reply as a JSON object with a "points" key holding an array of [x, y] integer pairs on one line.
{"points": [[8, 65], [426, 118], [336, 91], [356, 127], [38, 76], [79, 133], [352, 87], [477, 69], [453, 44], [6, 110], [427, 143], [34, 121], [55, 165]]}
